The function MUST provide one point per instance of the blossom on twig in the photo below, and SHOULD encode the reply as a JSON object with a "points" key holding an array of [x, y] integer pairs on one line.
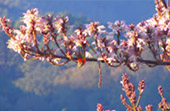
{"points": [[163, 104], [105, 46], [100, 108]]}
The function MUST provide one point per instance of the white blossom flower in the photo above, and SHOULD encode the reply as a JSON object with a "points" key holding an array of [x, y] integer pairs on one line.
{"points": [[14, 45]]}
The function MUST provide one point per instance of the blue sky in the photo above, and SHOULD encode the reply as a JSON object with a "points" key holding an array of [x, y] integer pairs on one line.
{"points": [[132, 11]]}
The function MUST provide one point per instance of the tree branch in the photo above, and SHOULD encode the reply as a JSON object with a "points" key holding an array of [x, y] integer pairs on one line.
{"points": [[139, 60]]}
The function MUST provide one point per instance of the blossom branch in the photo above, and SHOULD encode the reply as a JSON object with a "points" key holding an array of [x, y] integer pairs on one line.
{"points": [[48, 38], [129, 89], [163, 104]]}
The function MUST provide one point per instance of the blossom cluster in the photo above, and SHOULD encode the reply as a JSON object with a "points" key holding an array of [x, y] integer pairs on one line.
{"points": [[115, 45], [129, 89], [163, 104], [100, 108], [133, 104]]}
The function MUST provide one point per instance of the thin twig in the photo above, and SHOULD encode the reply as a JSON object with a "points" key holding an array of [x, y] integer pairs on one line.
{"points": [[100, 75], [35, 41], [57, 44], [91, 47], [138, 99]]}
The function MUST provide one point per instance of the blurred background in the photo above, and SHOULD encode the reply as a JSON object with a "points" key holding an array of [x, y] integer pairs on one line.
{"points": [[40, 86]]}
